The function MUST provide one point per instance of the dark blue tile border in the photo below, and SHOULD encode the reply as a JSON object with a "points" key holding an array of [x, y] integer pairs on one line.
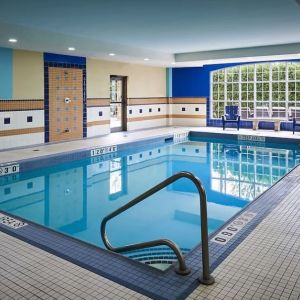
{"points": [[64, 59], [143, 279]]}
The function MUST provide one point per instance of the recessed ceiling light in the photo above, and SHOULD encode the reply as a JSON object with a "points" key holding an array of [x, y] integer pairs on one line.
{"points": [[111, 54], [12, 40], [173, 63], [71, 49], [146, 58]]}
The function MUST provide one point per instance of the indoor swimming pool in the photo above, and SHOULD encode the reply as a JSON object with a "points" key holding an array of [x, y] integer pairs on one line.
{"points": [[73, 198]]}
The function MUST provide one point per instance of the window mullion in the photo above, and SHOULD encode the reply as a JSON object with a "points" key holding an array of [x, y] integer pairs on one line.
{"points": [[212, 94], [240, 90], [254, 106], [270, 90], [286, 91], [225, 89]]}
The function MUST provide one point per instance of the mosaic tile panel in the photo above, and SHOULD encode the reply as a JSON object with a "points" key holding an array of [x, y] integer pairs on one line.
{"points": [[65, 104]]}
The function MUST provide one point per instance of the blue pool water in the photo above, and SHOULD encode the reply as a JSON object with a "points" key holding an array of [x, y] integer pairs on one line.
{"points": [[73, 198]]}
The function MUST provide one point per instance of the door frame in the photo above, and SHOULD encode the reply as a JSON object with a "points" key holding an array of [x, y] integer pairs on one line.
{"points": [[124, 100]]}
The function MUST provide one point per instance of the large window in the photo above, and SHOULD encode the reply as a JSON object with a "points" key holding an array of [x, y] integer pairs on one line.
{"points": [[260, 90]]}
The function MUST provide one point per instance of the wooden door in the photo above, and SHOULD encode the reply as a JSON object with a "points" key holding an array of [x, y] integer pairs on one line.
{"points": [[65, 104]]}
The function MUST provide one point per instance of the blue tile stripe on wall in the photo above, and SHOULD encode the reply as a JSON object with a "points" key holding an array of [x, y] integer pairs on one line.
{"points": [[63, 61], [195, 82], [6, 73]]}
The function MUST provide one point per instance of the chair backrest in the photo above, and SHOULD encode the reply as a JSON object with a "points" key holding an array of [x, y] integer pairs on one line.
{"points": [[232, 112]]}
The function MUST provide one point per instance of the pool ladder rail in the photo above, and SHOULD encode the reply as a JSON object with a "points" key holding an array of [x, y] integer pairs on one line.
{"points": [[182, 269]]}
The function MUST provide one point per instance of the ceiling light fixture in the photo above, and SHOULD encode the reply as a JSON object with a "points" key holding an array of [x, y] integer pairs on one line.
{"points": [[71, 49], [111, 54], [12, 40], [146, 59], [173, 63]]}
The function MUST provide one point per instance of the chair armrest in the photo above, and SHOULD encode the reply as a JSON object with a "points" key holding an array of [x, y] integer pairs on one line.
{"points": [[226, 116]]}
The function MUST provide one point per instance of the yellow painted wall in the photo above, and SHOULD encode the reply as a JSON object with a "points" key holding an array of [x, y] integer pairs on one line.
{"points": [[143, 81], [28, 75]]}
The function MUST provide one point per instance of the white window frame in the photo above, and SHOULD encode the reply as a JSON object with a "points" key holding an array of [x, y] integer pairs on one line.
{"points": [[270, 82]]}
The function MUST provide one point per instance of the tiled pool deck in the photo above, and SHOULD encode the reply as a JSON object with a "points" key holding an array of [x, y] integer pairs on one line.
{"points": [[264, 264]]}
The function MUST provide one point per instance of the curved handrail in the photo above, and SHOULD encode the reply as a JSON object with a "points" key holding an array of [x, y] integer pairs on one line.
{"points": [[206, 277]]}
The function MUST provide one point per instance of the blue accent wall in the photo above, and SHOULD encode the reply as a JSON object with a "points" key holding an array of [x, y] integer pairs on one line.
{"points": [[6, 73], [195, 81]]}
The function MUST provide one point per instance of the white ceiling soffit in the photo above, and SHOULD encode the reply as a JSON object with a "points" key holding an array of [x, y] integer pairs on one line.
{"points": [[201, 63], [290, 50], [136, 29]]}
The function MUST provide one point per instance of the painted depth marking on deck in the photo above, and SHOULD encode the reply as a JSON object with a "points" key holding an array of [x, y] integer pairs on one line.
{"points": [[11, 222], [10, 168], [233, 228], [103, 150], [252, 138], [181, 137]]}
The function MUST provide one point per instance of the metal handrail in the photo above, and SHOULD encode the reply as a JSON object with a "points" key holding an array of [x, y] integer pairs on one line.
{"points": [[206, 278]]}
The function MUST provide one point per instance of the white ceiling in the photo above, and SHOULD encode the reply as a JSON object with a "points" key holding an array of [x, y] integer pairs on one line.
{"points": [[135, 29]]}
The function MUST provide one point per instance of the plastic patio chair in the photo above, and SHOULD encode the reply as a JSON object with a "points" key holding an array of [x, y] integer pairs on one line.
{"points": [[231, 116]]}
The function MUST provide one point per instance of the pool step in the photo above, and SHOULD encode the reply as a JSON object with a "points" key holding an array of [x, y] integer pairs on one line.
{"points": [[155, 255]]}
